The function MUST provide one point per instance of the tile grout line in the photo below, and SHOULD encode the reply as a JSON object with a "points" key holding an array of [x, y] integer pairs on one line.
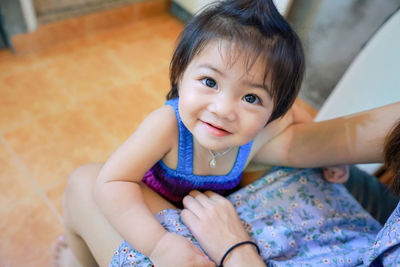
{"points": [[25, 171], [74, 103], [122, 67]]}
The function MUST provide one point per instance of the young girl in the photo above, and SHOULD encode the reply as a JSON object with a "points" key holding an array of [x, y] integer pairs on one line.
{"points": [[235, 73]]}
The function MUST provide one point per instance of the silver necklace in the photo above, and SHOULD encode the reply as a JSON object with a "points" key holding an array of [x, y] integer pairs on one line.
{"points": [[213, 161]]}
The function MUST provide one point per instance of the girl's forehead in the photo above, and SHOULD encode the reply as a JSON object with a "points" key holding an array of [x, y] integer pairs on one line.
{"points": [[226, 55], [227, 51]]}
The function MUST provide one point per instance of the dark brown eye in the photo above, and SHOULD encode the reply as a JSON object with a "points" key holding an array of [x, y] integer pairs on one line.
{"points": [[252, 99], [210, 82]]}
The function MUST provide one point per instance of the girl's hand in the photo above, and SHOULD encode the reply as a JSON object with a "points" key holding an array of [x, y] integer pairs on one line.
{"points": [[214, 223], [175, 250]]}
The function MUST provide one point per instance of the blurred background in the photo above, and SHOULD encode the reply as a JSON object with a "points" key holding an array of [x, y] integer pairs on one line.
{"points": [[326, 27], [77, 76]]}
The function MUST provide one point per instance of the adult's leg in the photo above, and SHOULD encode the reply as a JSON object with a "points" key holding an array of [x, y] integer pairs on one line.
{"points": [[90, 236], [374, 196]]}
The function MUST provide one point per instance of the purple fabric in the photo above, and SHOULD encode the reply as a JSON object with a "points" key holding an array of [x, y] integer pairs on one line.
{"points": [[151, 181], [175, 188]]}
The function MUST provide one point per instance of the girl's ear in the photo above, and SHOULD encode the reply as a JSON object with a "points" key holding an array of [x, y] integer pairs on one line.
{"points": [[178, 84]]}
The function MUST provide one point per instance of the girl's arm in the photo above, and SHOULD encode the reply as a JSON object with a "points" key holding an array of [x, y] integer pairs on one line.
{"points": [[119, 195], [117, 191], [350, 139]]}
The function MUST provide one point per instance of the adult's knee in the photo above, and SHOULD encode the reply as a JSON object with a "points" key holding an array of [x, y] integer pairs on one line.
{"points": [[79, 190]]}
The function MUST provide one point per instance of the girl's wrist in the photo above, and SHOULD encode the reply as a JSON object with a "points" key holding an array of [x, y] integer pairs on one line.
{"points": [[158, 247]]}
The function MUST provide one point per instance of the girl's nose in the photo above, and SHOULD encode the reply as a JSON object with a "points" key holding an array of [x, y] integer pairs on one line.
{"points": [[223, 107]]}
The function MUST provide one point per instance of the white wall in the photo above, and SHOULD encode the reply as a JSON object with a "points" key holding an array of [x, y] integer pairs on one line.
{"points": [[371, 81], [373, 78], [193, 6], [283, 6], [29, 15]]}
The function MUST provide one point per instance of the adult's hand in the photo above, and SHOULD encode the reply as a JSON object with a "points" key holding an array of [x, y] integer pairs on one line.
{"points": [[215, 224]]}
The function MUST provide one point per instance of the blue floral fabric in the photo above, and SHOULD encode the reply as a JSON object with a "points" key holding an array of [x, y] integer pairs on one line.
{"points": [[299, 219], [385, 249], [170, 219], [296, 218]]}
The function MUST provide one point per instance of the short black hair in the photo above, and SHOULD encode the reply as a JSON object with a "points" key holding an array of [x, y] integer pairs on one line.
{"points": [[258, 28]]}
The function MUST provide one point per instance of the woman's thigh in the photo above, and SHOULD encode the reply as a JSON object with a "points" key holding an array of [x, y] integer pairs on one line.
{"points": [[83, 216]]}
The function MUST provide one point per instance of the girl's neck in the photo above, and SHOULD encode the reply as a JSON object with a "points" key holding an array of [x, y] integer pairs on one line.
{"points": [[202, 158]]}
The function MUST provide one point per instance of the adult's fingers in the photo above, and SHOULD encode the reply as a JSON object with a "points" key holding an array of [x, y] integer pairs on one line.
{"points": [[189, 218], [191, 203], [200, 197], [214, 196], [218, 200], [194, 193]]}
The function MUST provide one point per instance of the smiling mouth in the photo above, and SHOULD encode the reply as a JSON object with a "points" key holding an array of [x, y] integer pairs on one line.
{"points": [[215, 130], [221, 129]]}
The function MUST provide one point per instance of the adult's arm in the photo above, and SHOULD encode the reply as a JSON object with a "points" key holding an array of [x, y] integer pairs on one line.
{"points": [[351, 139], [356, 138]]}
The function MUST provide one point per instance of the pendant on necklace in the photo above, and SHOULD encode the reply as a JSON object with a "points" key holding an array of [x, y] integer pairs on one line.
{"points": [[213, 163]]}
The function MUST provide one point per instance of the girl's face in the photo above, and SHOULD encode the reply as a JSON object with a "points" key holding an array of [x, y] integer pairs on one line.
{"points": [[221, 102]]}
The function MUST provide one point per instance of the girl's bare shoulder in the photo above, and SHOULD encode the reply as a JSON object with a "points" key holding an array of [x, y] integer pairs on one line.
{"points": [[162, 119]]}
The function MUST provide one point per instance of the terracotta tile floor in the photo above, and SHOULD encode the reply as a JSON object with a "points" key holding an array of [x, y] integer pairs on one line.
{"points": [[65, 106]]}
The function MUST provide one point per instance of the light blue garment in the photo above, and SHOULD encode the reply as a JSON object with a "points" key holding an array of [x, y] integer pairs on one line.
{"points": [[296, 218], [299, 219], [385, 250], [126, 255]]}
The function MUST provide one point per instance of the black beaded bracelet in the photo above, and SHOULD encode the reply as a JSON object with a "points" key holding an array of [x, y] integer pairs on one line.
{"points": [[235, 246]]}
